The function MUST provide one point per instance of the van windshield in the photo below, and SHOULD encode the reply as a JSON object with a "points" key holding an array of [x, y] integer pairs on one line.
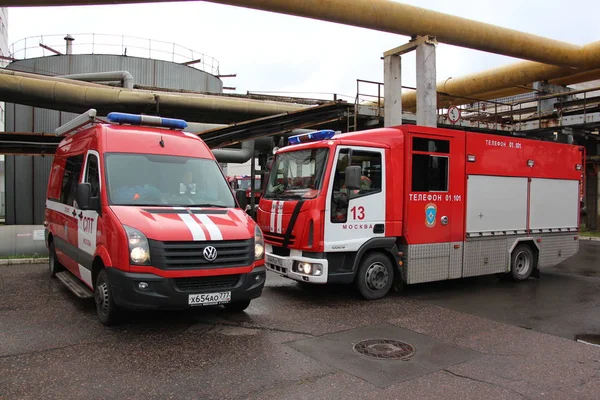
{"points": [[297, 174], [160, 180]]}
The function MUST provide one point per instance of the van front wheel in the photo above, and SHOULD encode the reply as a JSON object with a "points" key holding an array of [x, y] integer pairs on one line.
{"points": [[107, 310]]}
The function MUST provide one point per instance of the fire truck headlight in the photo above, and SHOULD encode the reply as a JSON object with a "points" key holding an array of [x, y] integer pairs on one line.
{"points": [[259, 244], [305, 267], [308, 268], [139, 250]]}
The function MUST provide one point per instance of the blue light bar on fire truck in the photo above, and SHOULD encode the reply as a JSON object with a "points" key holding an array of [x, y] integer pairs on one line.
{"points": [[311, 137], [137, 119]]}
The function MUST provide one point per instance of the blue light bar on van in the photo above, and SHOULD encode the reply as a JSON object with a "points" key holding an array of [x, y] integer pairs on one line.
{"points": [[311, 137], [137, 119]]}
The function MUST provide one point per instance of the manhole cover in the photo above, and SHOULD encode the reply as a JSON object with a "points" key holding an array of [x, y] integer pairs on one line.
{"points": [[388, 349]]}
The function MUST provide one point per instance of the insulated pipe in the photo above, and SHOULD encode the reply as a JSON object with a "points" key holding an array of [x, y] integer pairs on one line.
{"points": [[75, 96], [237, 156], [393, 17], [122, 76], [487, 84]]}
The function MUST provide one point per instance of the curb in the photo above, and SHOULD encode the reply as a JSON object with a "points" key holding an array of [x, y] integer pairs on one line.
{"points": [[22, 261], [590, 238]]}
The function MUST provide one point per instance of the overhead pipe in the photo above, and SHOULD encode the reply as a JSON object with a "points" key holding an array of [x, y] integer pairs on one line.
{"points": [[124, 77], [393, 17], [403, 19], [74, 96], [237, 156]]}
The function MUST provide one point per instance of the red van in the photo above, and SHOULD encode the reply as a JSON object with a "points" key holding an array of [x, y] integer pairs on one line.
{"points": [[139, 215]]}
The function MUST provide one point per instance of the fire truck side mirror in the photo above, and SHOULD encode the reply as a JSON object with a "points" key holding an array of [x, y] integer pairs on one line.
{"points": [[240, 195], [353, 174]]}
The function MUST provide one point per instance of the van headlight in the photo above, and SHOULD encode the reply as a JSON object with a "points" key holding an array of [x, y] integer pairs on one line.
{"points": [[259, 244], [139, 250]]}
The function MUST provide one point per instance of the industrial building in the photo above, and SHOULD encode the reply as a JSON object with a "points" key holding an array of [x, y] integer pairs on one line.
{"points": [[558, 100]]}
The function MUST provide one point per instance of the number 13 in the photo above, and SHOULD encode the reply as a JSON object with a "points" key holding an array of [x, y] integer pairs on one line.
{"points": [[358, 212]]}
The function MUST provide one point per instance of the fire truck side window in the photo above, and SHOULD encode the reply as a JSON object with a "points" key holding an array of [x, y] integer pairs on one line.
{"points": [[92, 175], [70, 179], [370, 182], [430, 165]]}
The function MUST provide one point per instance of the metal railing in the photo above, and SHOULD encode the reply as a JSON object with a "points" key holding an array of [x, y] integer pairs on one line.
{"points": [[92, 43]]}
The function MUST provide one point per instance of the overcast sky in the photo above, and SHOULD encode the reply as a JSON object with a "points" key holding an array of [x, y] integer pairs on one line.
{"points": [[274, 52]]}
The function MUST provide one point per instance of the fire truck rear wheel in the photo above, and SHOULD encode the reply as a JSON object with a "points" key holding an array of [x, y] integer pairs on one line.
{"points": [[107, 310], [375, 276], [522, 262]]}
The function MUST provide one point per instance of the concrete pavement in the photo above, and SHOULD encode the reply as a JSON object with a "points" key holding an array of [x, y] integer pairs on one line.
{"points": [[473, 339]]}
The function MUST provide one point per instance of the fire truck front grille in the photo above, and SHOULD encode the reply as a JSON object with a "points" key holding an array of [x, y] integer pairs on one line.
{"points": [[190, 255], [277, 238], [206, 283]]}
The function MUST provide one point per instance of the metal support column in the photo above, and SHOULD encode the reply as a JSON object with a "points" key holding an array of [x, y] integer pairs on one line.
{"points": [[392, 83], [252, 183], [426, 85]]}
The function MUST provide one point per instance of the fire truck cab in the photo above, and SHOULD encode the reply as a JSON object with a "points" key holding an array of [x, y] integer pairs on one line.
{"points": [[412, 204], [142, 217]]}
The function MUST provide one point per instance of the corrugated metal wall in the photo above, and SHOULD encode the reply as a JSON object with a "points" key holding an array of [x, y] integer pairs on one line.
{"points": [[146, 72], [27, 176]]}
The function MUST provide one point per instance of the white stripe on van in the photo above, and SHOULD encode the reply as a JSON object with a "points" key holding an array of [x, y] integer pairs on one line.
{"points": [[193, 226], [213, 229]]}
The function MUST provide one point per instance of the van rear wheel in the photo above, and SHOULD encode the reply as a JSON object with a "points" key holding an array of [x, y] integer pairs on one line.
{"points": [[375, 276], [108, 312]]}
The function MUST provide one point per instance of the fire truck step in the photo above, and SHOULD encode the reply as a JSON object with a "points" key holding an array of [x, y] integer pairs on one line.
{"points": [[75, 285]]}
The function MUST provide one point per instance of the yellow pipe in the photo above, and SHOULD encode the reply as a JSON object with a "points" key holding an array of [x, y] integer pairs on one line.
{"points": [[68, 95], [393, 17]]}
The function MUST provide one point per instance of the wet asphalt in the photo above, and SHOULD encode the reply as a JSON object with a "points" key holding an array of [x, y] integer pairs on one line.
{"points": [[474, 338]]}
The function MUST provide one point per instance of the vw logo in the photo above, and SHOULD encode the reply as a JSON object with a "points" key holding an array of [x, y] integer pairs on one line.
{"points": [[210, 253]]}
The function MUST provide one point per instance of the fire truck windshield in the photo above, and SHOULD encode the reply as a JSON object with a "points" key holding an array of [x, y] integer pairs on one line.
{"points": [[159, 180], [297, 173], [245, 183]]}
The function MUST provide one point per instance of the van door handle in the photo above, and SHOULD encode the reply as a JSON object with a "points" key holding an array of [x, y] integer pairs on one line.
{"points": [[444, 220]]}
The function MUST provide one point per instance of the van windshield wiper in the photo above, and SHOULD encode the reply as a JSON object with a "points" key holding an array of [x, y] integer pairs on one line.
{"points": [[207, 205]]}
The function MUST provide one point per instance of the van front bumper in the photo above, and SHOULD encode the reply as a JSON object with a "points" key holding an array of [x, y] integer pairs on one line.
{"points": [[174, 293]]}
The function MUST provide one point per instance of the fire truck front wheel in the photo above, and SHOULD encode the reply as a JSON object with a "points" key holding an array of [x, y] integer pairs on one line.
{"points": [[522, 262], [375, 276]]}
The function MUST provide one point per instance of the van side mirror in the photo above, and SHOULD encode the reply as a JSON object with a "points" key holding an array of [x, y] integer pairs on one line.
{"points": [[353, 174], [240, 196], [84, 196]]}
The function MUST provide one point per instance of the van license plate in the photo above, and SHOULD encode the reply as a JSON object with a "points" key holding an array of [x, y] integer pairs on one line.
{"points": [[209, 299]]}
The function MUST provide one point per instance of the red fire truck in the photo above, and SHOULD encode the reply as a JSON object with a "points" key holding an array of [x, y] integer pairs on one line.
{"points": [[414, 204], [244, 182]]}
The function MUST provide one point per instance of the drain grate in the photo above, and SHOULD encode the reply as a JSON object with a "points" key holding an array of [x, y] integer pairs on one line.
{"points": [[387, 349]]}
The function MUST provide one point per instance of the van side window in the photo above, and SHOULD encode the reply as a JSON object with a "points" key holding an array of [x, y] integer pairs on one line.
{"points": [[429, 168], [70, 179], [92, 174]]}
